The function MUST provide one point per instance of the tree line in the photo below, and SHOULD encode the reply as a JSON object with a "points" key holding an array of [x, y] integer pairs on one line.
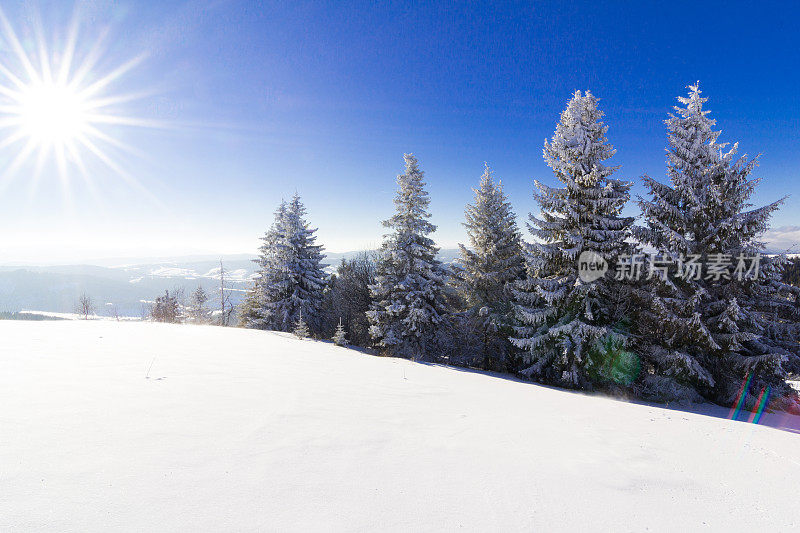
{"points": [[674, 333]]}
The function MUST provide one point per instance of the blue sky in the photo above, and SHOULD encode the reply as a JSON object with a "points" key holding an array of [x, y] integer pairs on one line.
{"points": [[257, 100]]}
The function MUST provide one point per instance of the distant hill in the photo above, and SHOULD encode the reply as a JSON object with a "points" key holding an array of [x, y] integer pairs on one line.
{"points": [[124, 290], [126, 285]]}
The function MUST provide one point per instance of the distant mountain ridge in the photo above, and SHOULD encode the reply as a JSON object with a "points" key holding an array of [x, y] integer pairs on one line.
{"points": [[125, 286]]}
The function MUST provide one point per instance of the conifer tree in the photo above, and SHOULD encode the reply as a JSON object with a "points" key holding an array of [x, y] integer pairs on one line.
{"points": [[408, 302], [489, 267], [270, 276], [564, 318], [291, 276], [702, 332], [340, 337], [167, 308], [199, 312], [301, 328]]}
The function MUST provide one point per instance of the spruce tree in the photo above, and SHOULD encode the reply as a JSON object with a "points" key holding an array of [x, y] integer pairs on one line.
{"points": [[565, 319], [199, 312], [408, 303], [301, 328], [291, 278], [270, 277], [488, 268], [705, 333], [340, 337]]}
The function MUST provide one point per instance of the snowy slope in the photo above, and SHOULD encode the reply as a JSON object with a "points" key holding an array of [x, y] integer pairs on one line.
{"points": [[238, 430]]}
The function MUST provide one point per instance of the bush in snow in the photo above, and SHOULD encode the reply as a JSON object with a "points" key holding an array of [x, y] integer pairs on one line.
{"points": [[167, 308]]}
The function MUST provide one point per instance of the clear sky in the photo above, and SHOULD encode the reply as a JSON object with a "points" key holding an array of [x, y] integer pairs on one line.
{"points": [[239, 104]]}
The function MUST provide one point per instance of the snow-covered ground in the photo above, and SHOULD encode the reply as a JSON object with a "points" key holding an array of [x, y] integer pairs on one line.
{"points": [[113, 426], [75, 316]]}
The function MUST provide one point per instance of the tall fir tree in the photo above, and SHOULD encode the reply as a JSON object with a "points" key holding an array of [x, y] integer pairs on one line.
{"points": [[489, 266], [408, 295], [710, 332], [291, 278], [269, 275], [565, 319]]}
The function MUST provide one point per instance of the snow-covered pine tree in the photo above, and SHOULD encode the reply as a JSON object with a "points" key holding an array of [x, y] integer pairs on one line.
{"points": [[564, 319], [270, 276], [408, 301], [198, 310], [301, 328], [340, 337], [489, 266], [291, 276], [710, 334]]}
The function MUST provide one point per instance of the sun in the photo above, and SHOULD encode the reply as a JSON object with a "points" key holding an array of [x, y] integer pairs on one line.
{"points": [[52, 114], [56, 104]]}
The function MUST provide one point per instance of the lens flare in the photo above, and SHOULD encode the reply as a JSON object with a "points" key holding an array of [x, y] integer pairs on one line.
{"points": [[761, 404], [737, 408]]}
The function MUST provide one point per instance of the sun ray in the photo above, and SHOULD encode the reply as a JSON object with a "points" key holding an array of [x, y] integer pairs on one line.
{"points": [[132, 181], [89, 61], [13, 78], [38, 168], [99, 103], [12, 139], [110, 77], [87, 178], [41, 159], [69, 50], [96, 133], [99, 118], [8, 108], [44, 56], [23, 58], [17, 162]]}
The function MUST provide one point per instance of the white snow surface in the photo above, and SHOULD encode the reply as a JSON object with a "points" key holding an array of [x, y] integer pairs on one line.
{"points": [[241, 430]]}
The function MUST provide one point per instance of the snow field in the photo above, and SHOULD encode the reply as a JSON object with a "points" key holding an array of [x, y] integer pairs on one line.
{"points": [[257, 431]]}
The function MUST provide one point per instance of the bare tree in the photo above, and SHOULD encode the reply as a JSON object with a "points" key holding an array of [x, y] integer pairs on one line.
{"points": [[113, 311], [85, 306], [226, 308]]}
